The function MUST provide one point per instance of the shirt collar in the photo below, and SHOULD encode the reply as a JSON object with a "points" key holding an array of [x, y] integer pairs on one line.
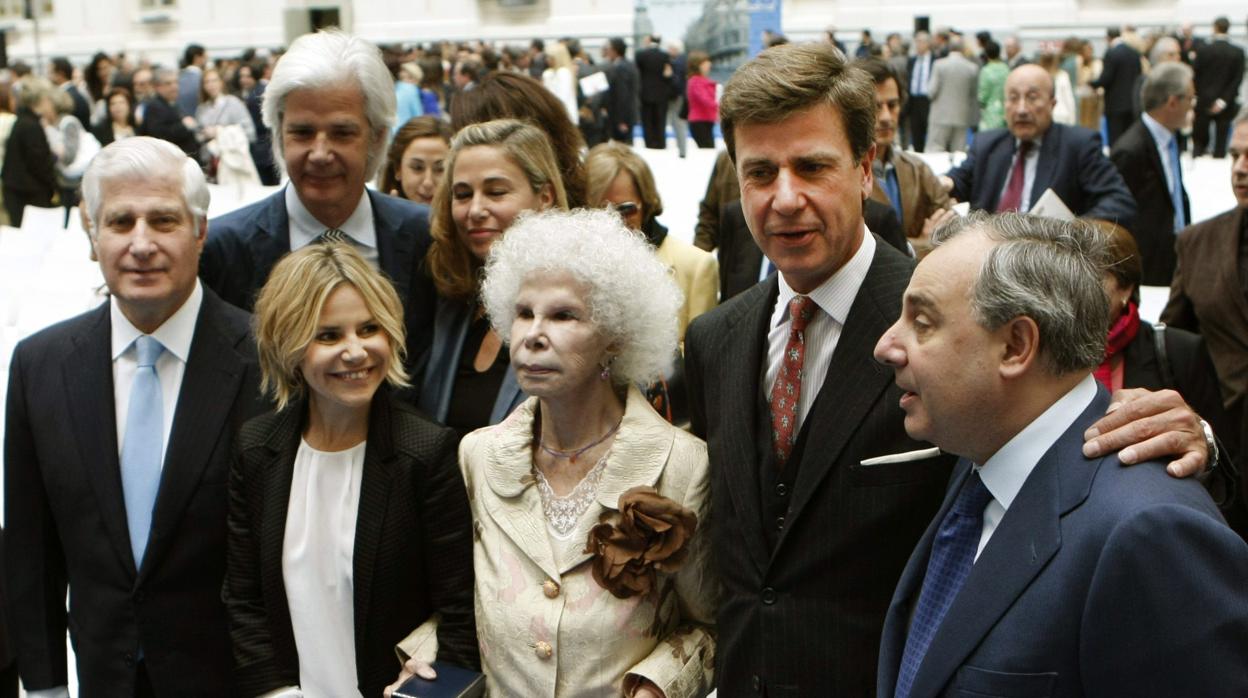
{"points": [[1008, 468], [1035, 144], [1160, 134], [305, 228], [886, 160], [836, 295], [175, 334]]}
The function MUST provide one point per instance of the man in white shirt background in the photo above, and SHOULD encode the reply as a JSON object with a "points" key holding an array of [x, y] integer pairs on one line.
{"points": [[118, 431]]}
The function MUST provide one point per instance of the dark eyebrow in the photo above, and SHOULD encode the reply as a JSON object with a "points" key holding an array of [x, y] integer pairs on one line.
{"points": [[921, 301]]}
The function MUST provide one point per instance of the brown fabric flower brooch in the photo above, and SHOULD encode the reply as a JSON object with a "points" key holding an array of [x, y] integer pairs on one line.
{"points": [[651, 534]]}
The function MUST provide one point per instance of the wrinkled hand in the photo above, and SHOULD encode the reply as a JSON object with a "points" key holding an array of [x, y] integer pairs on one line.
{"points": [[1145, 425], [412, 667], [937, 219]]}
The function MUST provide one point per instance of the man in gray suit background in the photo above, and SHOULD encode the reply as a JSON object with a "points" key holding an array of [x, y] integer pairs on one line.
{"points": [[955, 101]]}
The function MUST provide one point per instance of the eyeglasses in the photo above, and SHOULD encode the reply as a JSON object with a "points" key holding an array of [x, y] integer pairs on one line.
{"points": [[626, 208], [1033, 99]]}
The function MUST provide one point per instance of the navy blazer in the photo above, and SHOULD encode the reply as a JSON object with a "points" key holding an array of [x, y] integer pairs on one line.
{"points": [[1071, 164], [66, 515], [1101, 580], [1136, 157], [450, 329], [243, 246]]}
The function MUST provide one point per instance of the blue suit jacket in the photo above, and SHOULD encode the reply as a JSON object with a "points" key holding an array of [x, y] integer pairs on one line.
{"points": [[1071, 164], [1101, 580], [450, 330], [243, 246]]}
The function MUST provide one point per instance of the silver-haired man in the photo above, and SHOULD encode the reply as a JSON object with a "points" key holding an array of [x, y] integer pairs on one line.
{"points": [[330, 105], [118, 432], [1045, 572]]}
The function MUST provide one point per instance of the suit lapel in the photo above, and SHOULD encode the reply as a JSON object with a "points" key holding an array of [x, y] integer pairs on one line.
{"points": [[89, 385], [282, 446], [1228, 262], [1000, 158], [853, 384], [375, 489], [394, 245], [911, 191], [1046, 165], [210, 384], [1028, 536], [741, 375]]}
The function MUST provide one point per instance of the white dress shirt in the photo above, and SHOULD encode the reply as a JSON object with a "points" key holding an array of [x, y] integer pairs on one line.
{"points": [[1029, 172], [834, 298], [1008, 468], [175, 335], [305, 228], [1161, 138], [317, 553]]}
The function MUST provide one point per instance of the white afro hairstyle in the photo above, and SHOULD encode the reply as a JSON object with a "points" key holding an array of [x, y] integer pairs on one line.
{"points": [[633, 298]]}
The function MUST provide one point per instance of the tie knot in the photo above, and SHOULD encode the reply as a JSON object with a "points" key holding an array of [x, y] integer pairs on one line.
{"points": [[801, 310], [973, 497], [1024, 147], [332, 235], [148, 350]]}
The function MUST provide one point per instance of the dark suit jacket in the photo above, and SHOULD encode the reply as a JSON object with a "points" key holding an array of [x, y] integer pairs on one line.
{"points": [[82, 107], [28, 160], [67, 522], [1219, 68], [412, 555], [1071, 164], [805, 617], [622, 97], [164, 121], [654, 87], [244, 245], [1120, 76], [741, 261], [1135, 155], [1101, 580], [451, 323]]}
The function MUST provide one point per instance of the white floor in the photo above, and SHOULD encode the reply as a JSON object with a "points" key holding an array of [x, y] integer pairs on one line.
{"points": [[46, 274]]}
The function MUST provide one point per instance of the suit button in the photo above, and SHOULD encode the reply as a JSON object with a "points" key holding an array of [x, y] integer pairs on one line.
{"points": [[782, 490], [543, 650], [550, 589], [758, 684], [129, 659], [769, 596], [779, 523]]}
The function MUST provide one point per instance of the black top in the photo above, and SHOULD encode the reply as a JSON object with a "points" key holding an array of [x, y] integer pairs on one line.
{"points": [[472, 399]]}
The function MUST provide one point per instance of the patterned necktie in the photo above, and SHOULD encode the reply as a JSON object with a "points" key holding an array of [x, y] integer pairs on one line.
{"points": [[1012, 199], [953, 553], [786, 392], [332, 235], [1176, 186], [142, 445]]}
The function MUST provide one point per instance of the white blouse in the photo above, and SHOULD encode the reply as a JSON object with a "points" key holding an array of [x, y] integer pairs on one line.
{"points": [[316, 567]]}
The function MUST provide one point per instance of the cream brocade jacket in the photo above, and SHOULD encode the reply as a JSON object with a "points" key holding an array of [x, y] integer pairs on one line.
{"points": [[547, 629]]}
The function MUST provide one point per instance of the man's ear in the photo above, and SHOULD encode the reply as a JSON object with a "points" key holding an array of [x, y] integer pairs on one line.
{"points": [[1020, 346]]}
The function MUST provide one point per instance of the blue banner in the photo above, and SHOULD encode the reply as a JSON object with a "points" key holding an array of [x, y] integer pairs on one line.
{"points": [[764, 16]]}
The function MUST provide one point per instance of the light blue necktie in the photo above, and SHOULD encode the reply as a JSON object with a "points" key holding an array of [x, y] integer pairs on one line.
{"points": [[1176, 189], [141, 446]]}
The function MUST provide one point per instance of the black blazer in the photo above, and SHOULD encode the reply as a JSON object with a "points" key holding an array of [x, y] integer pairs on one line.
{"points": [[412, 555], [164, 121], [740, 259], [1219, 68], [654, 87], [622, 97], [66, 518], [1071, 164], [1120, 75], [243, 246], [1135, 155], [805, 617], [28, 159]]}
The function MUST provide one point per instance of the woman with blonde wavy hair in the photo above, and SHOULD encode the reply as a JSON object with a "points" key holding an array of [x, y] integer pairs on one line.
{"points": [[495, 171]]}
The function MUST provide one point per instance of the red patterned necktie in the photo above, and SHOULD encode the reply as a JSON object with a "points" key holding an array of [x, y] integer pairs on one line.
{"points": [[786, 393], [1012, 199]]}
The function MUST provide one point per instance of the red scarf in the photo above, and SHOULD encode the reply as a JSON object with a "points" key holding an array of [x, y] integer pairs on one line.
{"points": [[1120, 335]]}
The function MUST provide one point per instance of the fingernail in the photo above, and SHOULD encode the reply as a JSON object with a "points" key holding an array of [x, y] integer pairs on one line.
{"points": [[1091, 433], [1113, 406], [1089, 449], [1127, 456], [1173, 469]]}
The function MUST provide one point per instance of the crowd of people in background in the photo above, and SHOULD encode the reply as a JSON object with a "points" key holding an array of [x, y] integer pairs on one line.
{"points": [[490, 413]]}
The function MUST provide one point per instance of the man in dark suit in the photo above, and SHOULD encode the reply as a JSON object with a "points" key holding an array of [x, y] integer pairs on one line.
{"points": [[118, 435], [919, 97], [163, 119], [330, 134], [654, 67], [1120, 79], [622, 93], [1045, 572], [1066, 159], [61, 73], [1147, 157], [812, 530], [1209, 293], [1219, 67]]}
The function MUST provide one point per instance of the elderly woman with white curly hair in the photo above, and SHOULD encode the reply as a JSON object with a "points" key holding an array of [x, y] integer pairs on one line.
{"points": [[592, 567]]}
